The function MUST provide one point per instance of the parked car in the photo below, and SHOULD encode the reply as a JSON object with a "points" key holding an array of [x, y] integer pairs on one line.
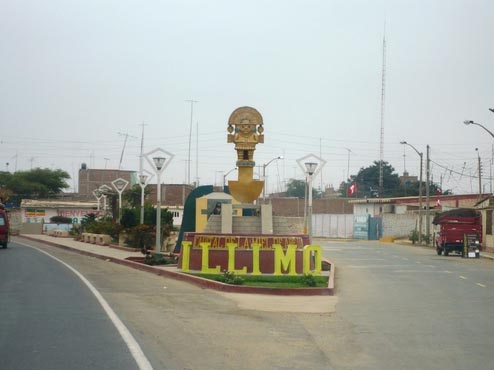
{"points": [[4, 228]]}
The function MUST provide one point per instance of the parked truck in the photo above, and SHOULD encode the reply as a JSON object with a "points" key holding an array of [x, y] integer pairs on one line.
{"points": [[456, 226]]}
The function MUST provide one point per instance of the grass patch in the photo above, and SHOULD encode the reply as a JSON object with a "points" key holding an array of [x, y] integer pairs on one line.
{"points": [[270, 281]]}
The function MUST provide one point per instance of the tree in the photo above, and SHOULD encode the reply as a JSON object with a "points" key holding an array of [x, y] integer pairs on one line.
{"points": [[296, 188], [133, 195], [367, 180], [33, 184]]}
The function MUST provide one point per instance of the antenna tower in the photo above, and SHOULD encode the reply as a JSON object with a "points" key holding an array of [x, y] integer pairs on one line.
{"points": [[383, 96]]}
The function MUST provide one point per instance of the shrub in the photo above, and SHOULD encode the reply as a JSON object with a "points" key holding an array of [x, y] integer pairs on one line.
{"points": [[160, 259], [61, 220], [229, 277], [104, 227], [414, 236], [308, 280], [141, 236]]}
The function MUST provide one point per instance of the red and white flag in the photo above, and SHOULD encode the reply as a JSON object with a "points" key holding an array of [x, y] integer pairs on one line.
{"points": [[438, 201], [352, 189]]}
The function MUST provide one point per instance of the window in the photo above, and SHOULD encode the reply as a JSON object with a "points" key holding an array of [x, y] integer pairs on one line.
{"points": [[2, 221]]}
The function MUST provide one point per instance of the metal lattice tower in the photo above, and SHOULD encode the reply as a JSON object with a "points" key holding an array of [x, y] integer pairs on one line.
{"points": [[383, 96]]}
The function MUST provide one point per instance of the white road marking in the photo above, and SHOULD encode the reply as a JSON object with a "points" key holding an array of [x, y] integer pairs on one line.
{"points": [[421, 271], [375, 266], [481, 285], [129, 340], [463, 277]]}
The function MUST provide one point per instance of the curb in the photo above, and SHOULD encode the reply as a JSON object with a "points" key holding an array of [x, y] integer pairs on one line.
{"points": [[201, 282]]}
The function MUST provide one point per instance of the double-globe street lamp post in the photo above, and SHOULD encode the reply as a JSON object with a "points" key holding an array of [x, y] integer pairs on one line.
{"points": [[226, 174], [470, 122], [421, 155], [264, 176], [157, 160]]}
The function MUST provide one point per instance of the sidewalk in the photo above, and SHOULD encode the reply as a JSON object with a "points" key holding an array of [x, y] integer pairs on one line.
{"points": [[409, 243], [262, 299]]}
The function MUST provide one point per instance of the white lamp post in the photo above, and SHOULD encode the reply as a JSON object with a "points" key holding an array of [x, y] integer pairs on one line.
{"points": [[264, 176], [421, 155], [311, 168], [225, 175], [156, 158], [104, 189], [311, 165], [468, 122], [143, 182], [120, 185], [98, 195]]}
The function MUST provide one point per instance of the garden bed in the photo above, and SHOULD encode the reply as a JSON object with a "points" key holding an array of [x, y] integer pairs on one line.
{"points": [[269, 281]]}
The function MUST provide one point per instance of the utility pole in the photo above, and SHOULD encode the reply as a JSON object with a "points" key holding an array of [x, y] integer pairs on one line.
{"points": [[347, 171], [15, 163], [197, 153], [421, 154], [428, 198], [123, 149], [190, 135], [479, 166], [142, 146], [383, 99]]}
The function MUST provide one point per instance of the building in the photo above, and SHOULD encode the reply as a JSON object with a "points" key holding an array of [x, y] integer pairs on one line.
{"points": [[375, 218], [92, 179]]}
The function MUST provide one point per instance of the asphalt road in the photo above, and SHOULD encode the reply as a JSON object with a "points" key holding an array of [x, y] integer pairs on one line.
{"points": [[407, 308], [396, 308], [50, 320]]}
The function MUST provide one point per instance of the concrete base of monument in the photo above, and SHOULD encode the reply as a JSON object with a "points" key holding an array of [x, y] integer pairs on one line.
{"points": [[246, 254], [229, 288]]}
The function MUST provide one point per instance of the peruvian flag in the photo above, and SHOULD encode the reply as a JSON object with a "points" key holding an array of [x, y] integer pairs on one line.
{"points": [[438, 201], [352, 189]]}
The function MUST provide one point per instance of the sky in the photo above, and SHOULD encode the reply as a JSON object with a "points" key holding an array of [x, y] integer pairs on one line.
{"points": [[79, 77]]}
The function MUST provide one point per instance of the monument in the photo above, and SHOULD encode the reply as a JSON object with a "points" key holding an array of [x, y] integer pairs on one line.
{"points": [[245, 129], [251, 241]]}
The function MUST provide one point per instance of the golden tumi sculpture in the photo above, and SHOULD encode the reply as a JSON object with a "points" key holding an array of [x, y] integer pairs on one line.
{"points": [[245, 129]]}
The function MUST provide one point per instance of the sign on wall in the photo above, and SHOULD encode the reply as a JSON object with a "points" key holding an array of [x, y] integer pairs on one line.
{"points": [[361, 226]]}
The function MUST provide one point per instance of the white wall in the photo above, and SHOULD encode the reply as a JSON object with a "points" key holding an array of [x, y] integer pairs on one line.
{"points": [[332, 226]]}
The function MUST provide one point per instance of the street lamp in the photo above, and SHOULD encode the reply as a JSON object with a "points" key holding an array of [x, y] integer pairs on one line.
{"points": [[143, 182], [264, 175], [469, 122], [225, 175], [158, 162], [311, 164], [421, 155], [98, 195], [104, 189], [120, 185], [478, 124]]}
